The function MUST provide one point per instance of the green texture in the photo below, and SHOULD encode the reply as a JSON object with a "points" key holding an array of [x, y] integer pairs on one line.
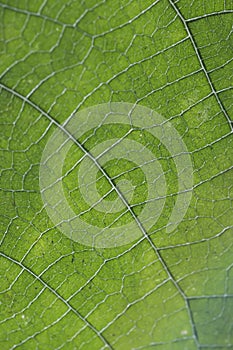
{"points": [[172, 291]]}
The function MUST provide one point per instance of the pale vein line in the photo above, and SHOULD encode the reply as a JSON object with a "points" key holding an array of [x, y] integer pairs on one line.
{"points": [[203, 240], [193, 19], [125, 70], [201, 63], [70, 307]]}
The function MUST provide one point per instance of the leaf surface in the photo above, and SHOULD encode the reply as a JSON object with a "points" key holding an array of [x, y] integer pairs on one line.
{"points": [[165, 290]]}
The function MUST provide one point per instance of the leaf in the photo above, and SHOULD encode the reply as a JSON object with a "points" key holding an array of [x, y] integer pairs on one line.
{"points": [[164, 289]]}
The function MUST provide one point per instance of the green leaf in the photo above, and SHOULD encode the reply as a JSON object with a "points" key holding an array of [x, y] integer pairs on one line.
{"points": [[164, 289]]}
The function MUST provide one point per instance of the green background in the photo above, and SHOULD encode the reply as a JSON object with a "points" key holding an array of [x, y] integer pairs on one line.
{"points": [[174, 291]]}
